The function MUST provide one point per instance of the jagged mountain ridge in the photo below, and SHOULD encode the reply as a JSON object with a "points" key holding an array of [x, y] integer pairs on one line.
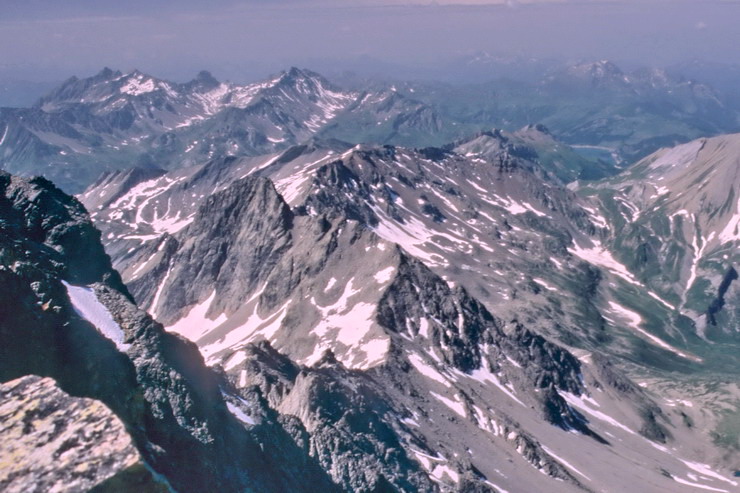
{"points": [[110, 120], [139, 341], [345, 193], [536, 143], [488, 241], [67, 316]]}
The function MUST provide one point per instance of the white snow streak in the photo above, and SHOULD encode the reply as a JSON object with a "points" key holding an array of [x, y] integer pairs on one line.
{"points": [[195, 324], [384, 275], [86, 304], [427, 370], [137, 86], [634, 320], [485, 375], [731, 231], [564, 462], [158, 294], [580, 404], [545, 285], [599, 256], [697, 485], [705, 470], [455, 405]]}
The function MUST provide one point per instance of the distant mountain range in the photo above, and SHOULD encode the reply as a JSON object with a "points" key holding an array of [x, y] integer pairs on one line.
{"points": [[596, 106], [110, 120]]}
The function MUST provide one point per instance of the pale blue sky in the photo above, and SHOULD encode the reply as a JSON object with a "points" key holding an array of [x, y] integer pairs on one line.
{"points": [[46, 38]]}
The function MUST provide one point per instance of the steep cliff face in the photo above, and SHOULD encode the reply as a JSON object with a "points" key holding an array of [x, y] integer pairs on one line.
{"points": [[67, 316]]}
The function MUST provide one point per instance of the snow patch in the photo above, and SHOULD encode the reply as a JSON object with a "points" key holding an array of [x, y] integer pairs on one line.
{"points": [[634, 320], [86, 304], [375, 351], [384, 275], [544, 284], [254, 327], [172, 224], [582, 405], [485, 375], [329, 284], [137, 86], [705, 470], [564, 462], [441, 471], [596, 218], [428, 370], [455, 405], [237, 412], [158, 294], [195, 324], [350, 324], [599, 256], [236, 360], [731, 231], [697, 485], [432, 465]]}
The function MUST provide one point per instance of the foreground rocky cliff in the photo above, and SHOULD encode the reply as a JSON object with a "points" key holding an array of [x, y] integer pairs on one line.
{"points": [[66, 315]]}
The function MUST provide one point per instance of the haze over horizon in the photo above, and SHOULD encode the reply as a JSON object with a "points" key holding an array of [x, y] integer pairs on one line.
{"points": [[46, 40]]}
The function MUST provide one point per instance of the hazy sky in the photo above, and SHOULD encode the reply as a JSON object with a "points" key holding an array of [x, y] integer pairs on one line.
{"points": [[242, 40]]}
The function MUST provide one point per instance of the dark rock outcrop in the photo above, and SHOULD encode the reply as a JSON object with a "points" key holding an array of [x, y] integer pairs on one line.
{"points": [[156, 383]]}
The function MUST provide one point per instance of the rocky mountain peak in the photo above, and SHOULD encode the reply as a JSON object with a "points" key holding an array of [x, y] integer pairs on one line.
{"points": [[536, 128], [294, 74], [602, 69], [74, 322], [107, 74], [55, 227], [249, 216], [204, 81], [601, 74]]}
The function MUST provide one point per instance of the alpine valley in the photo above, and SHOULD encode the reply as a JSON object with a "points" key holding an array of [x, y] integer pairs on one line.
{"points": [[289, 286]]}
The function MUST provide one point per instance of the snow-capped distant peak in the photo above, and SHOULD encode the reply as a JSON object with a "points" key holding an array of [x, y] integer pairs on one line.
{"points": [[138, 85]]}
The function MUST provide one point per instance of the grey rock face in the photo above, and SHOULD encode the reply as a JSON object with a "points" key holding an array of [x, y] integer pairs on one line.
{"points": [[419, 371], [235, 236], [55, 442], [171, 405]]}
